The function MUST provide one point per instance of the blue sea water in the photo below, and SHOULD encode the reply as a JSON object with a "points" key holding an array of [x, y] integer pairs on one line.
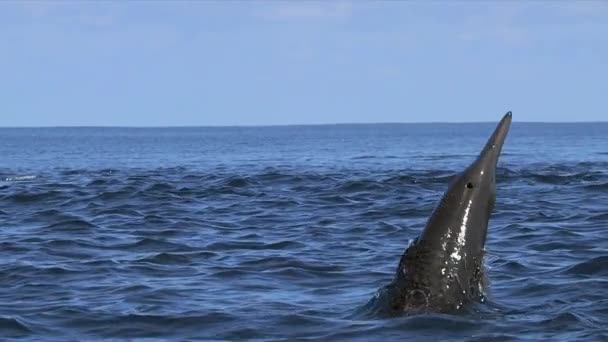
{"points": [[284, 233]]}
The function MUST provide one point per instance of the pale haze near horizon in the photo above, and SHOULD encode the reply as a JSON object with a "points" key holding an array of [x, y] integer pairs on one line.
{"points": [[277, 63]]}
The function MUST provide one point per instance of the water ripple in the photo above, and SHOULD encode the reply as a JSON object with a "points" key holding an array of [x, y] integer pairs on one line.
{"points": [[287, 254]]}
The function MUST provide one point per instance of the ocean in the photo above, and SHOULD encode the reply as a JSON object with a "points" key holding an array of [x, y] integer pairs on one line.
{"points": [[284, 233]]}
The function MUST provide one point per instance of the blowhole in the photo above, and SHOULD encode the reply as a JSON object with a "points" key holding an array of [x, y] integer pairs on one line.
{"points": [[470, 185]]}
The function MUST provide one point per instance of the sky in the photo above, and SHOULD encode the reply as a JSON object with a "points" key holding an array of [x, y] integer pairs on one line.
{"points": [[206, 63]]}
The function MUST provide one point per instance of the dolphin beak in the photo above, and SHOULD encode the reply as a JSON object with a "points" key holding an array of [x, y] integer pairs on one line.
{"points": [[490, 153]]}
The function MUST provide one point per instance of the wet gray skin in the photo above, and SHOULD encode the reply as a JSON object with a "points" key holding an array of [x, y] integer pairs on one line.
{"points": [[443, 269]]}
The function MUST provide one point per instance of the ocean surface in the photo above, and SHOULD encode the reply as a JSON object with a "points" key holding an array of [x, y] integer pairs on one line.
{"points": [[285, 233]]}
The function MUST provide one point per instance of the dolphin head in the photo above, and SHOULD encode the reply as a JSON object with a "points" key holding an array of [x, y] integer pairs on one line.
{"points": [[443, 267], [459, 223]]}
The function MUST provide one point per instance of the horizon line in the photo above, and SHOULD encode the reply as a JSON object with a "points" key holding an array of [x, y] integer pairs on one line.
{"points": [[305, 124]]}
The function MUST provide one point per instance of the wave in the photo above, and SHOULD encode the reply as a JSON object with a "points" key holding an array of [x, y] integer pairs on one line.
{"points": [[20, 178], [597, 266], [13, 327]]}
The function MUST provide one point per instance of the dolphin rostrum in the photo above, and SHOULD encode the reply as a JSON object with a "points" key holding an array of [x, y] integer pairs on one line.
{"points": [[443, 268]]}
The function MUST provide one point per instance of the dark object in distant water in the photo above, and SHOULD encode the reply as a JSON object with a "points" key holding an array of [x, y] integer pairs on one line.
{"points": [[443, 268]]}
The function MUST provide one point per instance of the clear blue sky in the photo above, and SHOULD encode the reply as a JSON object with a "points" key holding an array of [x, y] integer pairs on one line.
{"points": [[138, 63]]}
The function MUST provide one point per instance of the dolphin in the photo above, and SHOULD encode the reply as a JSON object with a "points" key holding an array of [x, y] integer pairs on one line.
{"points": [[442, 269]]}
